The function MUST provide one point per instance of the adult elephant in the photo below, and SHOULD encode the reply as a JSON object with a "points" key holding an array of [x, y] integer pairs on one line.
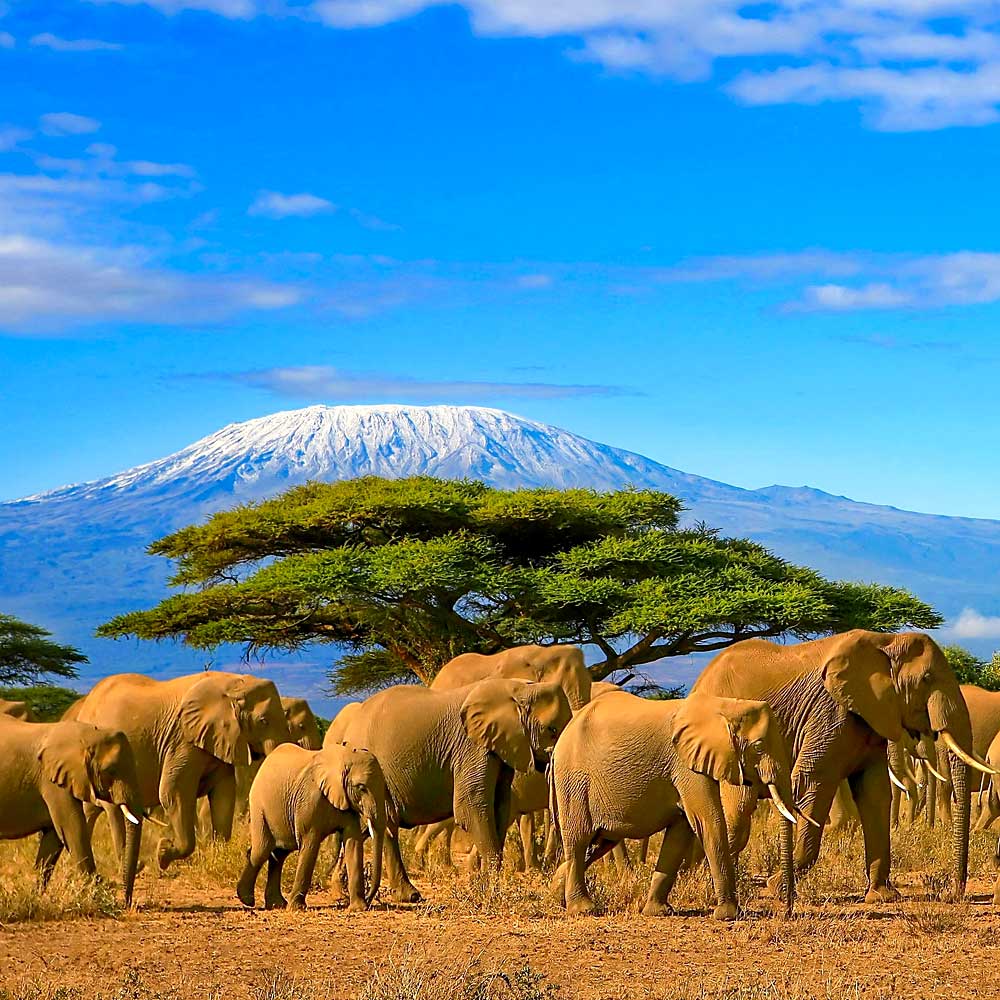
{"points": [[188, 735], [48, 772], [302, 725], [631, 767], [16, 710], [838, 700], [454, 753], [562, 665]]}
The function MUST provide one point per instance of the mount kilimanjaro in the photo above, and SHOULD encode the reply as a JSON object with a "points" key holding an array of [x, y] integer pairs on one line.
{"points": [[73, 557]]}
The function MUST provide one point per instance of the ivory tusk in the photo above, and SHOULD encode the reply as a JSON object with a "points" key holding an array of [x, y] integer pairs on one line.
{"points": [[930, 767], [371, 831], [157, 822], [779, 804], [808, 819], [898, 783], [949, 742], [129, 815]]}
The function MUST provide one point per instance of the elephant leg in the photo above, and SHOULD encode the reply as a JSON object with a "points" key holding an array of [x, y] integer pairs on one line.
{"points": [[261, 846], [643, 850], [526, 828], [707, 819], [273, 898], [335, 874], [179, 800], [355, 853], [400, 885], [49, 849], [308, 853], [222, 803], [620, 859], [677, 838], [575, 896], [73, 833], [872, 794], [996, 866], [897, 795]]}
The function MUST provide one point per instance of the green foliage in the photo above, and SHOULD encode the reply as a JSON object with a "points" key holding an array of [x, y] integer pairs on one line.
{"points": [[402, 575], [27, 653], [969, 669], [48, 703]]}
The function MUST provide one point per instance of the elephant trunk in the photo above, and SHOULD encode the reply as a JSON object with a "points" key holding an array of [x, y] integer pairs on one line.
{"points": [[949, 716], [130, 858], [787, 855]]}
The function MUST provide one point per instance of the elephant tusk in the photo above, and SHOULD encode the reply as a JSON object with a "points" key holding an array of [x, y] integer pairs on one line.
{"points": [[949, 742], [779, 804], [371, 830], [157, 822], [898, 783], [930, 767], [809, 819], [129, 815]]}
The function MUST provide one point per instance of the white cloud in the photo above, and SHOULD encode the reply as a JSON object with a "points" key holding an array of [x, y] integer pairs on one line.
{"points": [[11, 137], [46, 287], [274, 205], [7, 40], [859, 281], [324, 382], [47, 40], [60, 123], [909, 64], [970, 624]]}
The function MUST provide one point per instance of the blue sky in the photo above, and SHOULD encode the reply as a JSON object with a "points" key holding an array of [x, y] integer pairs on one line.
{"points": [[755, 242]]}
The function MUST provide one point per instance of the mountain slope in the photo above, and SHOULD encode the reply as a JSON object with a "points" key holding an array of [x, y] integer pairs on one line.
{"points": [[73, 557]]}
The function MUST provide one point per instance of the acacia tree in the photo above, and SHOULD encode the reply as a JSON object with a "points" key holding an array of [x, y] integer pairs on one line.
{"points": [[404, 574], [27, 653]]}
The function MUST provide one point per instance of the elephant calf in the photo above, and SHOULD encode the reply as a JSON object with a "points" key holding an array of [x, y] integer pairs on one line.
{"points": [[298, 799], [48, 771], [627, 767]]}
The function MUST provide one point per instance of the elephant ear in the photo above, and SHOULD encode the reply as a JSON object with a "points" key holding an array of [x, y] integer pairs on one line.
{"points": [[66, 763], [209, 720], [705, 741], [332, 777], [858, 676], [492, 716]]}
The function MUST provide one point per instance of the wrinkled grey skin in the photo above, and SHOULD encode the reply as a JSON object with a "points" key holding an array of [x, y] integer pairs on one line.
{"points": [[49, 772], [298, 799], [453, 753], [187, 734]]}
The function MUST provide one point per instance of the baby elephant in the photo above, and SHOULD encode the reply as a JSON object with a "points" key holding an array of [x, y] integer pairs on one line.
{"points": [[298, 798], [627, 767]]}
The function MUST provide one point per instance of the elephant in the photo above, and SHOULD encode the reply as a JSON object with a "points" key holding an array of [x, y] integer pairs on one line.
{"points": [[454, 753], [188, 734], [298, 799], [16, 710], [838, 701], [562, 665], [629, 767], [302, 725], [48, 771]]}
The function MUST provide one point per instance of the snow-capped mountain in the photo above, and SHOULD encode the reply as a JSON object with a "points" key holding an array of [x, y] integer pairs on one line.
{"points": [[73, 557]]}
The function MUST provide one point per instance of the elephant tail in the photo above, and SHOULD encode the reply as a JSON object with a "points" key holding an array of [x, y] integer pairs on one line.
{"points": [[550, 778]]}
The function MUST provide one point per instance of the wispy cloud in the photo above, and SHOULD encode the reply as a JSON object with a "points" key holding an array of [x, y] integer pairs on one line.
{"points": [[818, 281], [61, 123], [970, 624], [324, 382], [46, 287], [909, 64], [275, 205], [11, 137], [7, 40], [46, 40]]}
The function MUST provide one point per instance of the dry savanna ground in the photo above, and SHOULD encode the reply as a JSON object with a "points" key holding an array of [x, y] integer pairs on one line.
{"points": [[190, 937]]}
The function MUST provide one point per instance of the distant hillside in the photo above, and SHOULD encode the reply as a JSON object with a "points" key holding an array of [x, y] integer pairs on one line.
{"points": [[73, 557]]}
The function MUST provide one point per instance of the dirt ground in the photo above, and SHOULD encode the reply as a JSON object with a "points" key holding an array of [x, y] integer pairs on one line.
{"points": [[191, 939]]}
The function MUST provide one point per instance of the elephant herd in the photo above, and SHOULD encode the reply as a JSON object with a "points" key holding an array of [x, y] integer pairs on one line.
{"points": [[498, 739]]}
